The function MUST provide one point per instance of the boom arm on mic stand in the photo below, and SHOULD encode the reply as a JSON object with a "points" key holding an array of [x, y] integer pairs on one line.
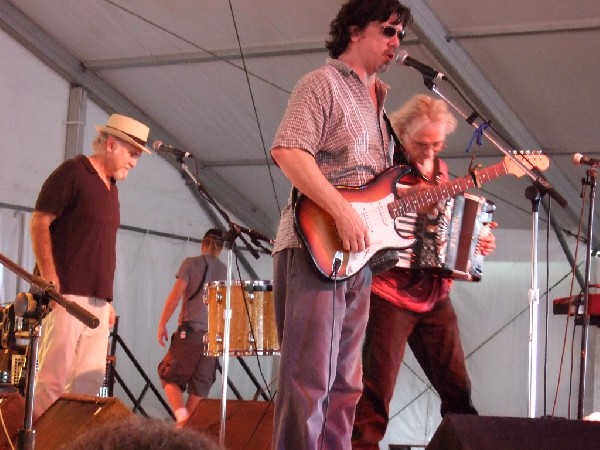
{"points": [[235, 230], [42, 291], [45, 290]]}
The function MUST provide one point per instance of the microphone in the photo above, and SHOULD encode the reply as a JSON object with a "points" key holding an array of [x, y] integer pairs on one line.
{"points": [[160, 147], [578, 158], [425, 70]]}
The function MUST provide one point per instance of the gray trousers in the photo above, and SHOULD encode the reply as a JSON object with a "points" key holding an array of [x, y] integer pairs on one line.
{"points": [[321, 333]]}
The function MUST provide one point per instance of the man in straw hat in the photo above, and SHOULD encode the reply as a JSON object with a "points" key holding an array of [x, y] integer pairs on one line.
{"points": [[73, 232]]}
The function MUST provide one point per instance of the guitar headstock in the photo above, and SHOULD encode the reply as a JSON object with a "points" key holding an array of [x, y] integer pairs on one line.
{"points": [[529, 159]]}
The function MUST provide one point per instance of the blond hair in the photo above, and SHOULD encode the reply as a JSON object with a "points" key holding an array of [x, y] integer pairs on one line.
{"points": [[422, 110]]}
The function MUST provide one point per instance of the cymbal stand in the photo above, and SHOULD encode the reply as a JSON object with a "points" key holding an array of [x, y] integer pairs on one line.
{"points": [[34, 307], [585, 324], [229, 238]]}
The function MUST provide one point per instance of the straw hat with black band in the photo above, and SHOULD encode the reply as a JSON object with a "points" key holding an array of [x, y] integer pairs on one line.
{"points": [[127, 129]]}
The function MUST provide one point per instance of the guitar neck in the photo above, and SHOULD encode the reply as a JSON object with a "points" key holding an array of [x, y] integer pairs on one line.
{"points": [[416, 200]]}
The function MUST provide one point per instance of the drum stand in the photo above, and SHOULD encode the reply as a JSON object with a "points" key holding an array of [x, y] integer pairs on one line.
{"points": [[34, 306], [235, 231]]}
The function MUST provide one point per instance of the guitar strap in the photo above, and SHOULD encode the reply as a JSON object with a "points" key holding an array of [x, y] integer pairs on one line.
{"points": [[295, 193], [201, 281], [185, 325], [399, 157]]}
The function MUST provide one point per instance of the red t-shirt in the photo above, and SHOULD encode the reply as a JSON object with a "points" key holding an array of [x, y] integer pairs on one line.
{"points": [[415, 290]]}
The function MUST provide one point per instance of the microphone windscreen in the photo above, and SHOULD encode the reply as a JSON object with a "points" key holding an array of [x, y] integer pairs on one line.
{"points": [[401, 56]]}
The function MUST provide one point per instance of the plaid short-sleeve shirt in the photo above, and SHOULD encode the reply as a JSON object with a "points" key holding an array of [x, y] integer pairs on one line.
{"points": [[331, 115]]}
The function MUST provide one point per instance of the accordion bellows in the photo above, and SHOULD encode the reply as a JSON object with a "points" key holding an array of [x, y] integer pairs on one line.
{"points": [[447, 240]]}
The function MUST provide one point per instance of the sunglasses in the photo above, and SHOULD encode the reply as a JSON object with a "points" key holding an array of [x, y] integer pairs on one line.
{"points": [[390, 31]]}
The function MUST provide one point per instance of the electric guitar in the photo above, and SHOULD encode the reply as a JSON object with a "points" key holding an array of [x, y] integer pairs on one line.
{"points": [[381, 208]]}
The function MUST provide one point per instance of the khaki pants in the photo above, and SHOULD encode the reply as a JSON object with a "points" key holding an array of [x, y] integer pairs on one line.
{"points": [[72, 356]]}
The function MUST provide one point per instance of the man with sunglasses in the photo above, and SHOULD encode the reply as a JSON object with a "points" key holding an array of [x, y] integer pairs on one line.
{"points": [[185, 367], [414, 306], [333, 133]]}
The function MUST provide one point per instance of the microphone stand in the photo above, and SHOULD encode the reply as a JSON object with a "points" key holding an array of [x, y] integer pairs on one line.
{"points": [[229, 238], [532, 193], [42, 291], [591, 181], [543, 186]]}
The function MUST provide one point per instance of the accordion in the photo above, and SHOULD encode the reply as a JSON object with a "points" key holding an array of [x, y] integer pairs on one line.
{"points": [[446, 238]]}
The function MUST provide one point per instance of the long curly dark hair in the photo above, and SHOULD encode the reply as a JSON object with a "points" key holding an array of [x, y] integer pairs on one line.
{"points": [[359, 13]]}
